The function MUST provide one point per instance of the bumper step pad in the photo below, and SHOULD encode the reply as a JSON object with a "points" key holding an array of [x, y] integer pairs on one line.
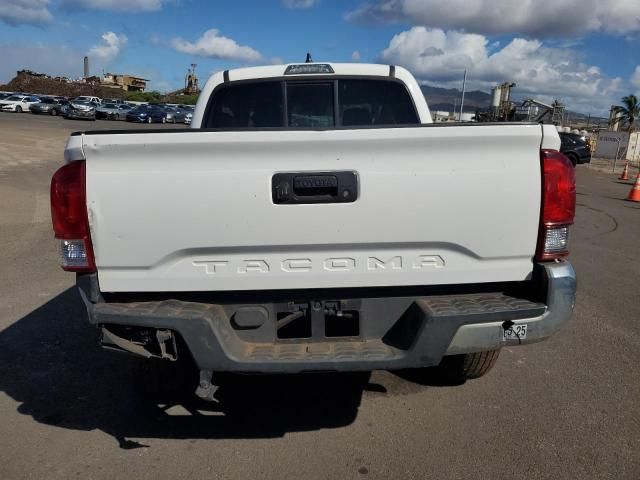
{"points": [[345, 350], [499, 306]]}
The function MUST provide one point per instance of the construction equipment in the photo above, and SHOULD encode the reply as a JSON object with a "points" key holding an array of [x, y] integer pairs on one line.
{"points": [[191, 80], [553, 113]]}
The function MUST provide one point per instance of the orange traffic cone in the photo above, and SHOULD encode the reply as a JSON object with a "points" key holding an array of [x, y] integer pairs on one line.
{"points": [[634, 194], [625, 172]]}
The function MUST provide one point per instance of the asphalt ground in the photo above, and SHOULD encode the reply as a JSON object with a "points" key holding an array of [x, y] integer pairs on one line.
{"points": [[565, 408]]}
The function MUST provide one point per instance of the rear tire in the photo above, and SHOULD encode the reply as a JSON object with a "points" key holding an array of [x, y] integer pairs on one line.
{"points": [[475, 365], [468, 366], [53, 112], [18, 109], [573, 158]]}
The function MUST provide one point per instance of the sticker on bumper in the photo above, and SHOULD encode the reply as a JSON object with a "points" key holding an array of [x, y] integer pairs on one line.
{"points": [[515, 332]]}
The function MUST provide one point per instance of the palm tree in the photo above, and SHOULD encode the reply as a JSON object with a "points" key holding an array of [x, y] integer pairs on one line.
{"points": [[629, 112]]}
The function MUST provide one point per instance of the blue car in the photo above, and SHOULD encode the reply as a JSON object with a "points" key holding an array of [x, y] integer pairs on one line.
{"points": [[147, 114]]}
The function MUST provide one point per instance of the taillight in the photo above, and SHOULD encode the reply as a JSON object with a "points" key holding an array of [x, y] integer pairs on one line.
{"points": [[558, 205], [70, 220]]}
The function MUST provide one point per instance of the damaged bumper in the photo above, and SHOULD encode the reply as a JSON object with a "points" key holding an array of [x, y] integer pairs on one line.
{"points": [[317, 331]]}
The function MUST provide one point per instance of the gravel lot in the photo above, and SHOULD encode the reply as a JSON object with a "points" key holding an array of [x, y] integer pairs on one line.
{"points": [[565, 408]]}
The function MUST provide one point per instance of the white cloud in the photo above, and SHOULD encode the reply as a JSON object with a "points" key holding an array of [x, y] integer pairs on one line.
{"points": [[355, 56], [17, 12], [299, 3], [440, 57], [116, 5], [105, 52], [211, 44], [537, 18], [635, 78]]}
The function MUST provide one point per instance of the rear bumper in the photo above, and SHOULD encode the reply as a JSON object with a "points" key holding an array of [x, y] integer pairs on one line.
{"points": [[77, 114], [394, 332]]}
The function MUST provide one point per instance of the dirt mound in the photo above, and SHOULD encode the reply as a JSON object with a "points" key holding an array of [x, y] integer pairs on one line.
{"points": [[24, 82]]}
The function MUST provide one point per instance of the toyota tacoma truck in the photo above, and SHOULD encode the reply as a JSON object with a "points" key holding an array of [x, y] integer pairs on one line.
{"points": [[314, 218]]}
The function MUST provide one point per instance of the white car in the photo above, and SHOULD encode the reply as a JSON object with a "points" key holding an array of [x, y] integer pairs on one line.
{"points": [[18, 103], [88, 99]]}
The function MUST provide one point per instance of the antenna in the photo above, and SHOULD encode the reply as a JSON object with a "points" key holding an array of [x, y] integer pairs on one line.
{"points": [[309, 59]]}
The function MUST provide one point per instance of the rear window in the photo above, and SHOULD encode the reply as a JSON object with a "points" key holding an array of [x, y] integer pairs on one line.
{"points": [[311, 104], [375, 102], [248, 105]]}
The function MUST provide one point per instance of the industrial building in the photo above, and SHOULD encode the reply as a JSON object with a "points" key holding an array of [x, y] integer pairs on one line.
{"points": [[128, 83]]}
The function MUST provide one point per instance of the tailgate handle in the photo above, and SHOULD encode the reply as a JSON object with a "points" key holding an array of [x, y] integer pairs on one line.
{"points": [[316, 187]]}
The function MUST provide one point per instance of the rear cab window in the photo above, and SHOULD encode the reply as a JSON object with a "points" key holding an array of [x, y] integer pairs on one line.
{"points": [[310, 104]]}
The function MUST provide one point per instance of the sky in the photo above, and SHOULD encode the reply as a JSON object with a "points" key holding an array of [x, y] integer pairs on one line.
{"points": [[585, 53]]}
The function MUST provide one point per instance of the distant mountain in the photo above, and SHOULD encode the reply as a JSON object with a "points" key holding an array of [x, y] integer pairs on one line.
{"points": [[447, 98], [444, 99]]}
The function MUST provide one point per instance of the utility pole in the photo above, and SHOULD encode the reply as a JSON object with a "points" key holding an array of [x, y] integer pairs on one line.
{"points": [[464, 85]]}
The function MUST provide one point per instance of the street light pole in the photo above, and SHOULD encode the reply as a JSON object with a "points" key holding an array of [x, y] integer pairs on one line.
{"points": [[464, 85]]}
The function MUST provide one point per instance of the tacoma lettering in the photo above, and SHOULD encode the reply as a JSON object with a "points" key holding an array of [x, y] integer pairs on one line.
{"points": [[334, 264]]}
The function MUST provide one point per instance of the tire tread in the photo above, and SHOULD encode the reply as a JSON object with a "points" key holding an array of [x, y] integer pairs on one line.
{"points": [[475, 365]]}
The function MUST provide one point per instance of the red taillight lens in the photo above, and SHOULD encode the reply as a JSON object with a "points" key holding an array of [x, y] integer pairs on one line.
{"points": [[69, 218], [558, 205]]}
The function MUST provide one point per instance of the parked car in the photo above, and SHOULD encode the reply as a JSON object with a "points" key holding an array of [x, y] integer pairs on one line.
{"points": [[188, 117], [314, 257], [18, 103], [117, 101], [4, 95], [147, 114], [96, 100], [78, 110], [52, 106], [575, 147], [174, 114], [112, 111]]}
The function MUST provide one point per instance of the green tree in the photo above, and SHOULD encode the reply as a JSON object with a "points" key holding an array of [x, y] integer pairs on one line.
{"points": [[629, 112], [150, 97], [188, 99]]}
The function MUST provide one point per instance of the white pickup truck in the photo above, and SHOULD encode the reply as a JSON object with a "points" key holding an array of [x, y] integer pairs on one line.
{"points": [[313, 218]]}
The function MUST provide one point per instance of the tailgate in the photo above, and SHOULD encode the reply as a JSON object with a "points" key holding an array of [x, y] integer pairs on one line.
{"points": [[194, 211]]}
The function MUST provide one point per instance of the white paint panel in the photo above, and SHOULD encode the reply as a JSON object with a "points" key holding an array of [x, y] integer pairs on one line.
{"points": [[633, 148], [550, 138], [456, 204], [611, 144]]}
